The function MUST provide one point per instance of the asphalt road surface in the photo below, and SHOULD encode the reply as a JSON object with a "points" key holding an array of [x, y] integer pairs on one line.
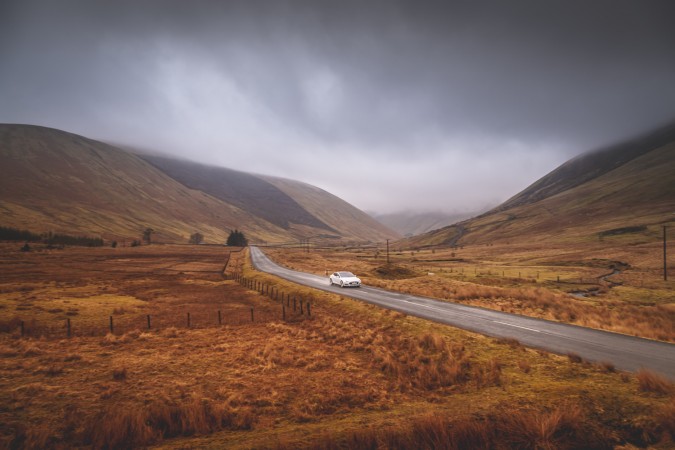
{"points": [[625, 352]]}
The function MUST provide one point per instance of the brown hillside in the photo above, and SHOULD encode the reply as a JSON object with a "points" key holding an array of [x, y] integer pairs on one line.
{"points": [[65, 183], [244, 190], [588, 166], [61, 182], [631, 200], [305, 211], [352, 222]]}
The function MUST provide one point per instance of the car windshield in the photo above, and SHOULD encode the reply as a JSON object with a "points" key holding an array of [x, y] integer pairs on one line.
{"points": [[345, 274]]}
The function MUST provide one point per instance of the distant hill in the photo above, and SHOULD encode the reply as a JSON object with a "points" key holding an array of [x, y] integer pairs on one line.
{"points": [[244, 190], [333, 210], [628, 188], [413, 223], [288, 204], [61, 182]]}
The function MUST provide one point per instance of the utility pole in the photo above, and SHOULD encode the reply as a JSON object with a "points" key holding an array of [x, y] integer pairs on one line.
{"points": [[387, 251], [665, 263]]}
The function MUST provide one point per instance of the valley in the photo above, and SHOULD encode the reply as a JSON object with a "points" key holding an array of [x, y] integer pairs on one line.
{"points": [[171, 345], [494, 183]]}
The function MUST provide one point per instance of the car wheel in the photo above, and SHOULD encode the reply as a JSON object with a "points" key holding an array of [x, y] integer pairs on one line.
{"points": [[330, 282], [342, 284]]}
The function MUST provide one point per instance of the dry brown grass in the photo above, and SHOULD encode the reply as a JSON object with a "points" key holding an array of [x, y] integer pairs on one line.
{"points": [[650, 381], [568, 426], [531, 280], [348, 368]]}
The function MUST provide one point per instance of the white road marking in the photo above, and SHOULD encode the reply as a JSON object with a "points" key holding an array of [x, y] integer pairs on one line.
{"points": [[517, 326]]}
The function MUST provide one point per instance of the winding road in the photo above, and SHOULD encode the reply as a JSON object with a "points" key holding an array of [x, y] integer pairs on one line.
{"points": [[625, 352]]}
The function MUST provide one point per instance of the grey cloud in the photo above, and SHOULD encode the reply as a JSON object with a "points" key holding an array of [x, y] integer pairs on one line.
{"points": [[280, 87]]}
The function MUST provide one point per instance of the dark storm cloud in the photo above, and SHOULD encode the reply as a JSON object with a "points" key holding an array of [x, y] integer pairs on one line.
{"points": [[424, 99]]}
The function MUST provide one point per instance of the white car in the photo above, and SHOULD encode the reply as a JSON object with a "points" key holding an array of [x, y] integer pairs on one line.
{"points": [[345, 279]]}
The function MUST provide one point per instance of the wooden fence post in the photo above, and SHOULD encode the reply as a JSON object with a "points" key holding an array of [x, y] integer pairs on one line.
{"points": [[309, 310], [283, 311], [252, 314], [148, 321], [111, 325], [22, 329], [294, 303], [301, 306], [188, 320], [220, 319], [68, 326]]}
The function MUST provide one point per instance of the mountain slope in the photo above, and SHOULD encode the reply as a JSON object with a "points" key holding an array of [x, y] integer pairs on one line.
{"points": [[588, 166], [626, 189], [331, 209], [246, 191], [411, 223], [292, 205], [57, 181]]}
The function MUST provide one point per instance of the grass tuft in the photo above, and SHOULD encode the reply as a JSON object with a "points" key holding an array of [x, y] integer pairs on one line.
{"points": [[565, 427], [120, 374], [524, 365], [649, 381], [575, 358]]}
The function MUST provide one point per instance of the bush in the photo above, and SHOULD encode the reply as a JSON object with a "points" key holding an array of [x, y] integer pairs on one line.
{"points": [[237, 239], [196, 238], [14, 234]]}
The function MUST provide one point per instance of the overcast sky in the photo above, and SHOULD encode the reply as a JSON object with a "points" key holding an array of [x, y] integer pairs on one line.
{"points": [[391, 105]]}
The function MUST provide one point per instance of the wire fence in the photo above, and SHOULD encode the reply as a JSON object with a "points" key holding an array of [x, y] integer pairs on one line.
{"points": [[283, 306]]}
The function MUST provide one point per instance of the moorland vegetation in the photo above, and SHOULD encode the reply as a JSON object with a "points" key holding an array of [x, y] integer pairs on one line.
{"points": [[615, 285], [348, 376]]}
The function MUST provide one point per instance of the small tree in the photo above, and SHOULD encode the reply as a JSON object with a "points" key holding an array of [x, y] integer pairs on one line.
{"points": [[196, 238], [147, 235], [237, 239]]}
